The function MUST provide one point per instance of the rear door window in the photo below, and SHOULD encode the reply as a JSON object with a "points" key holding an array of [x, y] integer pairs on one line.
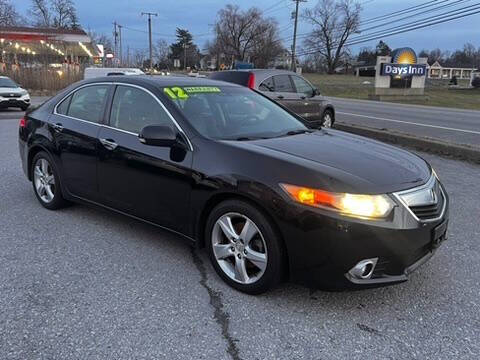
{"points": [[62, 108], [267, 85], [88, 103], [283, 83]]}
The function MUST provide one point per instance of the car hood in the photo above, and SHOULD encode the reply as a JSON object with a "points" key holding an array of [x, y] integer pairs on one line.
{"points": [[15, 90], [384, 167]]}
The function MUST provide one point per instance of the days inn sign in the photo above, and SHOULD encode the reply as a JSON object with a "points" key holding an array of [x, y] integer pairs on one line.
{"points": [[404, 64]]}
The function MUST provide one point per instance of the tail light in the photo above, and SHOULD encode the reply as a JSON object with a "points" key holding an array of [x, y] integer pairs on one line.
{"points": [[23, 122], [251, 81]]}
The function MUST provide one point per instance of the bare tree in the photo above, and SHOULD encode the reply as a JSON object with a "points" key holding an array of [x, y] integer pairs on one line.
{"points": [[40, 13], [334, 21], [8, 14], [140, 58], [161, 52], [64, 14], [246, 35], [101, 39], [267, 46], [57, 13]]}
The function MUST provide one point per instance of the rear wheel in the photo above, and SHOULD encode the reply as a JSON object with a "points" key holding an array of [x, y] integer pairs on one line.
{"points": [[328, 119], [244, 248], [46, 182]]}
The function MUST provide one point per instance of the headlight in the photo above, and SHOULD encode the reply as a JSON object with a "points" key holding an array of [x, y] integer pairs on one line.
{"points": [[23, 92], [362, 206]]}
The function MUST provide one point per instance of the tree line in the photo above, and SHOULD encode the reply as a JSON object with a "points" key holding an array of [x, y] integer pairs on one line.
{"points": [[248, 36], [60, 14]]}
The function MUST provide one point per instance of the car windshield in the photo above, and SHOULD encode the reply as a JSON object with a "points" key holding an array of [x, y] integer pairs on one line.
{"points": [[233, 113], [7, 83]]}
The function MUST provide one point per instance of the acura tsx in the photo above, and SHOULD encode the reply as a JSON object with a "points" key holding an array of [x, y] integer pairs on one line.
{"points": [[231, 170]]}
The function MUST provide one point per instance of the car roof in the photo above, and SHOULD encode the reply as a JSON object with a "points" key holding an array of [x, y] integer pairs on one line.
{"points": [[160, 81]]}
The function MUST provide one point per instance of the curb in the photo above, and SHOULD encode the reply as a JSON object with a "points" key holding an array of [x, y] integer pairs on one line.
{"points": [[426, 144]]}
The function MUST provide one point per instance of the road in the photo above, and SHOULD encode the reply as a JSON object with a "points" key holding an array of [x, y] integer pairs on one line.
{"points": [[13, 113], [83, 283], [453, 125]]}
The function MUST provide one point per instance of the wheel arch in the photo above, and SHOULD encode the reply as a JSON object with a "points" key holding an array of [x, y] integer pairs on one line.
{"points": [[330, 107], [216, 199], [34, 150]]}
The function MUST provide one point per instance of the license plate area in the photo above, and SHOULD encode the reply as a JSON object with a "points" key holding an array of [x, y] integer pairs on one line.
{"points": [[439, 234]]}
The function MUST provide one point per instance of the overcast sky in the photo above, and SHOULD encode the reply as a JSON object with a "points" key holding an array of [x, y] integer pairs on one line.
{"points": [[198, 16]]}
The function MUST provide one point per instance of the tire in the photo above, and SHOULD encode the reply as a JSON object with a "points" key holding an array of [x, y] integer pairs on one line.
{"points": [[46, 182], [24, 108], [328, 118], [260, 248]]}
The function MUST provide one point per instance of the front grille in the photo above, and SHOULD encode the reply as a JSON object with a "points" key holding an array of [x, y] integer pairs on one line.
{"points": [[431, 211], [425, 202], [10, 95]]}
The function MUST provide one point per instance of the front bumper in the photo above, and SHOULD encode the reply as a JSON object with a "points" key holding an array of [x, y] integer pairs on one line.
{"points": [[324, 247], [23, 101]]}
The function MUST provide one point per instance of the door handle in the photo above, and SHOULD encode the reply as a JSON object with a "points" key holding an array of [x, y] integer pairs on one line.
{"points": [[303, 97], [58, 127], [280, 97], [109, 144]]}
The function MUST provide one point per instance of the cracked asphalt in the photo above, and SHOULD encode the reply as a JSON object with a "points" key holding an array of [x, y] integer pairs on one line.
{"points": [[84, 283]]}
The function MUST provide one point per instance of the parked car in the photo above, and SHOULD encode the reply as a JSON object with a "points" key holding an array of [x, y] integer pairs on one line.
{"points": [[289, 89], [232, 171], [12, 95], [93, 72]]}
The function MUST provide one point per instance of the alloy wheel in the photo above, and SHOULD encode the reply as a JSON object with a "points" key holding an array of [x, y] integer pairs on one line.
{"points": [[327, 120], [239, 248], [44, 180]]}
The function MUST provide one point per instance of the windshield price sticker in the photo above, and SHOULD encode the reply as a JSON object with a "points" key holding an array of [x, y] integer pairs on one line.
{"points": [[181, 93], [202, 89]]}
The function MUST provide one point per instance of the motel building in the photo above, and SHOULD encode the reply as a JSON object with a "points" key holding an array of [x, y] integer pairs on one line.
{"points": [[58, 49], [437, 71]]}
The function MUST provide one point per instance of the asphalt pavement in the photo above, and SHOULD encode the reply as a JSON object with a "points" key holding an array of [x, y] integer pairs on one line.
{"points": [[453, 125], [84, 283]]}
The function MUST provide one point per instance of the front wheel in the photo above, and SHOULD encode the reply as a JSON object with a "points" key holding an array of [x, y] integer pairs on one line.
{"points": [[328, 118], [244, 248], [46, 182]]}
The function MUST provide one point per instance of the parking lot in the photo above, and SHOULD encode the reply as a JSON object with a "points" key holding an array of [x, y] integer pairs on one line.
{"points": [[86, 283]]}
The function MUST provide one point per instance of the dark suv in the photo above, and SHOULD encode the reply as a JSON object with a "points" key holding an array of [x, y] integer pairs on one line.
{"points": [[289, 89]]}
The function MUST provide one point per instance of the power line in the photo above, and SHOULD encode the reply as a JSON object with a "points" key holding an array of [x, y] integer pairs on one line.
{"points": [[304, 35], [355, 42], [416, 23], [273, 6], [409, 9]]}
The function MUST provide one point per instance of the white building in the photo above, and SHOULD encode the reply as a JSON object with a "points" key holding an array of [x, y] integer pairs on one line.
{"points": [[437, 71]]}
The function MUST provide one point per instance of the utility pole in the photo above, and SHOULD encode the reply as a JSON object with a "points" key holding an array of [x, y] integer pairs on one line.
{"points": [[149, 14], [184, 53], [115, 36], [294, 46], [120, 52]]}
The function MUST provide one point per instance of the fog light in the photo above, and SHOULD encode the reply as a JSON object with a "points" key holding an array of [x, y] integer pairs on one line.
{"points": [[364, 269]]}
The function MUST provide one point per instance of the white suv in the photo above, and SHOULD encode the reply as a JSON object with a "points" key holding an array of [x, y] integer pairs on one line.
{"points": [[12, 95]]}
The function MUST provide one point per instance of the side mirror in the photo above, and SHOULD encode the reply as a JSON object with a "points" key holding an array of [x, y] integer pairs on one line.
{"points": [[316, 92], [157, 135]]}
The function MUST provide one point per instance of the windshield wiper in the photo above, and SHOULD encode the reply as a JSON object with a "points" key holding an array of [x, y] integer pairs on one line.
{"points": [[296, 132], [249, 138]]}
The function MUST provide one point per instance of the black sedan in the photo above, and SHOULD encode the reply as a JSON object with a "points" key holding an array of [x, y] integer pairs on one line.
{"points": [[232, 171]]}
